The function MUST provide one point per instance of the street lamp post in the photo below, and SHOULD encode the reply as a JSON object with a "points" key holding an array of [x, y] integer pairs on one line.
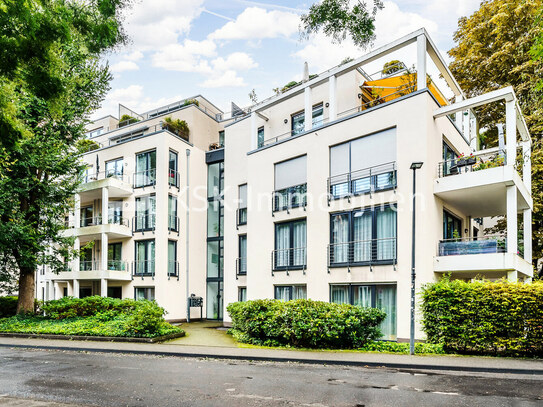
{"points": [[414, 166]]}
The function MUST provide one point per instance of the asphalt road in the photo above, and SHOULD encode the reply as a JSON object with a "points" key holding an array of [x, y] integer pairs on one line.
{"points": [[33, 378]]}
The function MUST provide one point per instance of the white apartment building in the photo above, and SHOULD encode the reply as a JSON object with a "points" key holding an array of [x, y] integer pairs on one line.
{"points": [[307, 194]]}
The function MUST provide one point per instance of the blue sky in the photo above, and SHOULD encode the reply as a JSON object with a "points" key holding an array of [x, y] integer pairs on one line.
{"points": [[224, 48]]}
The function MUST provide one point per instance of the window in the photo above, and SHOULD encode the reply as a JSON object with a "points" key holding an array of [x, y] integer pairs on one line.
{"points": [[290, 245], [375, 296], [214, 259], [115, 292], [298, 119], [173, 177], [317, 115], [145, 174], [145, 257], [172, 214], [260, 137], [290, 184], [87, 218], [214, 300], [144, 293], [95, 132], [85, 259], [290, 292], [363, 165], [115, 212], [242, 253], [214, 180], [114, 168], [242, 210], [221, 138], [452, 226], [362, 237], [145, 213], [114, 257], [242, 294], [172, 258], [449, 160]]}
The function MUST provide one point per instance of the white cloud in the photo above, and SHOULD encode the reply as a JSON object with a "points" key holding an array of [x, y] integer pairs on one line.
{"points": [[237, 61], [256, 23], [124, 66], [227, 79], [133, 56], [186, 57], [128, 95]]}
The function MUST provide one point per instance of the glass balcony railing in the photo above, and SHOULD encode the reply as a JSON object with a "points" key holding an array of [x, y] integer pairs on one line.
{"points": [[472, 245], [472, 163]]}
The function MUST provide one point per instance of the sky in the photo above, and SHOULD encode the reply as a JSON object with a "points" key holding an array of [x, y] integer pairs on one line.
{"points": [[222, 49]]}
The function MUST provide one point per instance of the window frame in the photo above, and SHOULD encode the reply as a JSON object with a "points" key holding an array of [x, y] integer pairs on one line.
{"points": [[146, 272], [149, 224], [447, 213], [151, 179], [239, 271], [175, 228], [173, 173], [150, 288], [290, 291], [240, 289], [176, 267], [290, 263]]}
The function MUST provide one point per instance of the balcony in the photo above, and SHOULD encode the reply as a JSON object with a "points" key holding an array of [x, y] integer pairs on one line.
{"points": [[372, 252], [144, 223], [92, 270], [289, 259], [472, 245], [365, 181], [91, 228], [117, 183], [241, 266], [288, 198], [143, 268]]}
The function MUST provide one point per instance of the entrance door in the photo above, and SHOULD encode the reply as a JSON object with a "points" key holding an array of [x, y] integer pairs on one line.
{"points": [[214, 302]]}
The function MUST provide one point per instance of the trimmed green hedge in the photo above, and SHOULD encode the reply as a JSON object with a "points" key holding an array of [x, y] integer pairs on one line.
{"points": [[8, 306], [485, 317], [304, 323], [94, 316]]}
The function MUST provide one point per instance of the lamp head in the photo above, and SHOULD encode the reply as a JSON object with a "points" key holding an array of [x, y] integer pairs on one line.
{"points": [[416, 165]]}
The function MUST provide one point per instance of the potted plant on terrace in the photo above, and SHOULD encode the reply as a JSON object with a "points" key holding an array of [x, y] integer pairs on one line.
{"points": [[179, 127], [464, 160]]}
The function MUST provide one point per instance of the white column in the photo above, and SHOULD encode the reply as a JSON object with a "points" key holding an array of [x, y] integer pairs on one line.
{"points": [[103, 287], [76, 288], [332, 109], [77, 211], [512, 227], [512, 276], [421, 62], [105, 203], [308, 109], [253, 131], [103, 251], [46, 292], [56, 290], [511, 131], [527, 165], [527, 234], [458, 115]]}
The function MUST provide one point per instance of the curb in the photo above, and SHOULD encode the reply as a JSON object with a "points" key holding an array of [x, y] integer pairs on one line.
{"points": [[400, 366], [93, 338]]}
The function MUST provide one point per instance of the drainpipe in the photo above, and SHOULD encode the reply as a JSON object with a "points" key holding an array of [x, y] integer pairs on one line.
{"points": [[187, 240]]}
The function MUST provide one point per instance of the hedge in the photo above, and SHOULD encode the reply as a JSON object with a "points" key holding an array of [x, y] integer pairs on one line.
{"points": [[8, 306], [484, 317], [304, 323]]}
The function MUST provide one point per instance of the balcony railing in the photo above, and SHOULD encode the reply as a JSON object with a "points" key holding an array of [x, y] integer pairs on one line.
{"points": [[291, 197], [88, 265], [145, 178], [173, 223], [112, 265], [289, 259], [472, 163], [173, 178], [144, 223], [117, 265], [363, 253], [97, 220], [365, 181], [173, 268], [241, 216], [143, 268], [291, 133], [472, 245], [106, 174], [241, 266]]}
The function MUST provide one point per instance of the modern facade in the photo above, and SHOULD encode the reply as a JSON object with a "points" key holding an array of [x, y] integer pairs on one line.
{"points": [[306, 194]]}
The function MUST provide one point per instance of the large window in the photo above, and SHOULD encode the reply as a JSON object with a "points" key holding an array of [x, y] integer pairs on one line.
{"points": [[375, 296], [145, 258], [214, 303], [449, 160], [242, 294], [298, 119], [363, 165], [144, 293], [145, 169], [362, 237], [114, 257], [172, 258], [452, 226], [115, 212], [173, 222], [114, 168], [145, 213], [173, 177], [290, 292], [290, 184], [87, 217], [242, 253], [290, 245], [242, 210], [215, 259], [260, 137]]}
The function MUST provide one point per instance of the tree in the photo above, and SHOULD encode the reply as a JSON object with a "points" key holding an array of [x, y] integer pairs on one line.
{"points": [[51, 80], [337, 18], [493, 51]]}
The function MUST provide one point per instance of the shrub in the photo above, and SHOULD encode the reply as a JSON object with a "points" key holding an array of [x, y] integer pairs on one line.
{"points": [[8, 306], [395, 347], [126, 119], [304, 323], [484, 317], [86, 145], [179, 127], [70, 307], [191, 102], [146, 319]]}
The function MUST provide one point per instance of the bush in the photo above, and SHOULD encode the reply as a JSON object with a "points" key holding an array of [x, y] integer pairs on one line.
{"points": [[8, 306], [395, 347], [485, 317], [70, 307], [304, 323], [191, 102]]}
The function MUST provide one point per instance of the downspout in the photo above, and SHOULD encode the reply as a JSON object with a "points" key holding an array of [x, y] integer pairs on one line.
{"points": [[187, 240]]}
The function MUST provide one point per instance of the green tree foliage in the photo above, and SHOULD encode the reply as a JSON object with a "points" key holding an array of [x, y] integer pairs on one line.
{"points": [[493, 51], [339, 18], [51, 79]]}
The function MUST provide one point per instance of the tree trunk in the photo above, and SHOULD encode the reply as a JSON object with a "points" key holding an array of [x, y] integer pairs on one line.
{"points": [[26, 291]]}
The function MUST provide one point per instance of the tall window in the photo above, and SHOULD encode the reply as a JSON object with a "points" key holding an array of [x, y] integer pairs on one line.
{"points": [[449, 159], [145, 213], [242, 294], [317, 115], [363, 165], [290, 292], [114, 168], [242, 210], [87, 217], [298, 119], [145, 169], [145, 258], [375, 296], [172, 258], [115, 212], [173, 178], [242, 252], [172, 213], [114, 257], [452, 226], [260, 137], [290, 245], [221, 138], [361, 237], [290, 184], [144, 293]]}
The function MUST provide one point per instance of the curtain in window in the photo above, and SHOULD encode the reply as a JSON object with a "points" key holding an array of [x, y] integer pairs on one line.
{"points": [[340, 238], [282, 236], [362, 296], [386, 234], [172, 248], [151, 257], [362, 235], [299, 243], [140, 294], [140, 257], [282, 293], [386, 300], [172, 212], [152, 211], [339, 294], [299, 292], [243, 254], [115, 211]]}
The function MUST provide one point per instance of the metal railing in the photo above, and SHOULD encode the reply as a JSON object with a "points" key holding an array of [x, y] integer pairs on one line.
{"points": [[142, 268], [291, 133], [289, 259], [117, 265], [363, 252], [291, 197], [472, 245], [89, 265], [173, 268], [173, 223], [241, 266], [144, 223], [104, 175], [89, 221], [135, 133], [145, 178], [471, 163], [241, 216], [173, 178], [368, 180]]}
